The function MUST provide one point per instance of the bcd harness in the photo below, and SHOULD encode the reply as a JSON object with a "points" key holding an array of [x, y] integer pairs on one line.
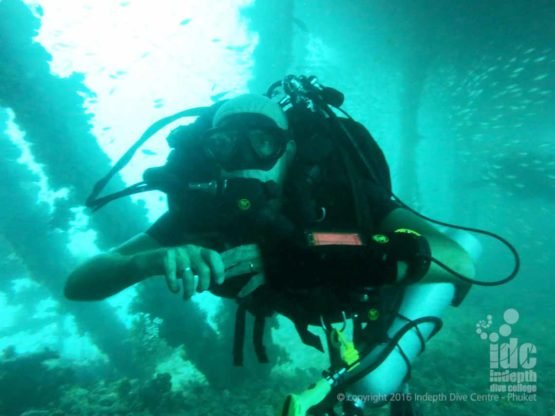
{"points": [[329, 282]]}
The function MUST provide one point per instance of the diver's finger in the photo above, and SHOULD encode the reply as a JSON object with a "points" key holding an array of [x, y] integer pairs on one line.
{"points": [[235, 254], [203, 273], [202, 270], [245, 267], [181, 262], [192, 288], [254, 283], [214, 261], [247, 252], [189, 284], [246, 259], [170, 271]]}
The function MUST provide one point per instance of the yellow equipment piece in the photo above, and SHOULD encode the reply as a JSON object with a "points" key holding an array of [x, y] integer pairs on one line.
{"points": [[380, 238], [407, 231], [299, 404], [373, 314], [347, 350]]}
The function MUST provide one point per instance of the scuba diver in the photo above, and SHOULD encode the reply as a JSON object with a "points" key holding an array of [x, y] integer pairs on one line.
{"points": [[276, 201]]}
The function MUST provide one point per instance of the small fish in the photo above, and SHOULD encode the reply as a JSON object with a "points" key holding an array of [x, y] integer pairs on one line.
{"points": [[184, 22], [159, 103], [117, 74], [301, 25]]}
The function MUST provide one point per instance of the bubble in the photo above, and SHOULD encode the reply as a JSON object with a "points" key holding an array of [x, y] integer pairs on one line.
{"points": [[489, 317], [511, 316], [479, 331], [484, 336], [505, 330], [494, 337]]}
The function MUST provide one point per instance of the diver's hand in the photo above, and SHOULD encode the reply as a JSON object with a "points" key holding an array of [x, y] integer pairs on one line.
{"points": [[197, 267], [242, 260]]}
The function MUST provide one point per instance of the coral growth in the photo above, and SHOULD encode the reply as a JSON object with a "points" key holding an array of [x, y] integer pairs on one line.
{"points": [[31, 382]]}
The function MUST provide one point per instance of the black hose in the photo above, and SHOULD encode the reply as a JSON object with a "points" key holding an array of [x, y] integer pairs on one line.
{"points": [[362, 159], [360, 373]]}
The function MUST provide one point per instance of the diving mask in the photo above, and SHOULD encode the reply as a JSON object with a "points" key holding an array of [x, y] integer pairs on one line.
{"points": [[245, 141]]}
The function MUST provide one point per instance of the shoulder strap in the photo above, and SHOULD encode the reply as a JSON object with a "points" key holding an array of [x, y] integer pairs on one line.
{"points": [[258, 335]]}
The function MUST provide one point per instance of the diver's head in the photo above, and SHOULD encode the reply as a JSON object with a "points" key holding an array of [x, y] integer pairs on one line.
{"points": [[250, 139]]}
